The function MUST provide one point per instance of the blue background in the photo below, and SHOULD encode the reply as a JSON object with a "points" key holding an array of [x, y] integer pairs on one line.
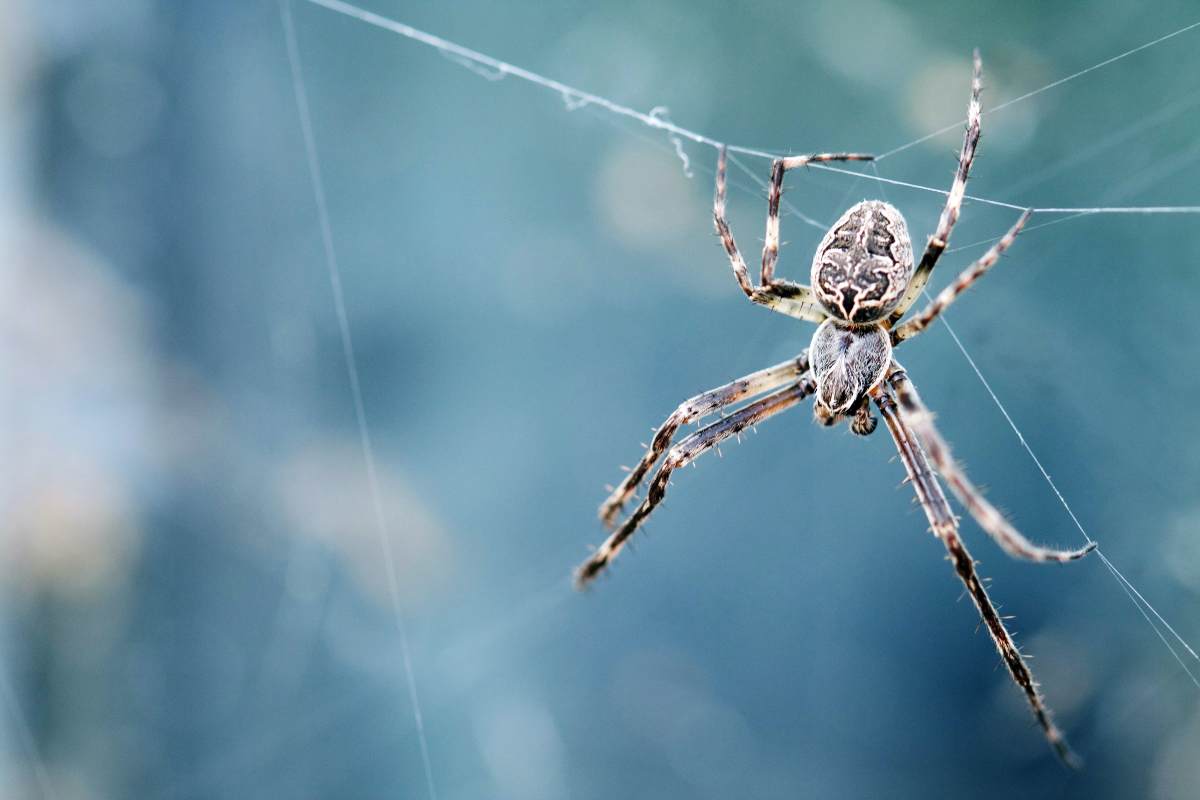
{"points": [[194, 599]]}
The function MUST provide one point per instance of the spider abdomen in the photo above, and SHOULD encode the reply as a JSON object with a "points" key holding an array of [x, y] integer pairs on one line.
{"points": [[847, 362], [864, 263]]}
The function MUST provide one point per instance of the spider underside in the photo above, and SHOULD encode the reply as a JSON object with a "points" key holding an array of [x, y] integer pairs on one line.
{"points": [[863, 282]]}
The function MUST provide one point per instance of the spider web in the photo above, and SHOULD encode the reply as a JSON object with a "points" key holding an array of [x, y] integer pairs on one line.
{"points": [[658, 119]]}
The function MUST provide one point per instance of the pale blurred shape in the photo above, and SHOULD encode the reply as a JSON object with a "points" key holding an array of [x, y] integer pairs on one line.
{"points": [[78, 529], [1176, 771], [324, 494], [649, 204], [883, 41], [664, 700], [1180, 554], [66, 28], [16, 53], [1139, 702], [644, 197], [115, 106], [630, 65], [78, 376], [72, 784], [874, 35], [522, 748], [938, 95], [16, 63], [605, 58]]}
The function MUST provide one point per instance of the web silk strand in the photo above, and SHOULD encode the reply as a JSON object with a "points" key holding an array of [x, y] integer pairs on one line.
{"points": [[1045, 88], [360, 414], [1134, 595], [493, 69]]}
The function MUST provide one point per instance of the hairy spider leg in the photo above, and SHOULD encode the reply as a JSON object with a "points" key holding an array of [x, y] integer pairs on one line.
{"points": [[691, 410], [785, 297], [779, 167], [964, 281], [919, 418], [683, 453], [945, 527], [937, 242]]}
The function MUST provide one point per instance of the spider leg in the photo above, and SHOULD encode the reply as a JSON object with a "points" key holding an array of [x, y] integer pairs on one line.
{"points": [[945, 527], [937, 242], [682, 454], [779, 167], [964, 281], [919, 418], [785, 297], [693, 409]]}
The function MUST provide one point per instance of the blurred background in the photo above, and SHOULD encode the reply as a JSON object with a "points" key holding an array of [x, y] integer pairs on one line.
{"points": [[194, 599]]}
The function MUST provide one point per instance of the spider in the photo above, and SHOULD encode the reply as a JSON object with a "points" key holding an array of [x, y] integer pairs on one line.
{"points": [[863, 283]]}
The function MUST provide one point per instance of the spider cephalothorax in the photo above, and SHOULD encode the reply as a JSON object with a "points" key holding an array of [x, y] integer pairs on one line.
{"points": [[864, 264], [846, 362], [863, 285]]}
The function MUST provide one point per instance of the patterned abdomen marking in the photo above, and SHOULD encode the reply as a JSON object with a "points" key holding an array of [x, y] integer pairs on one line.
{"points": [[864, 263]]}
